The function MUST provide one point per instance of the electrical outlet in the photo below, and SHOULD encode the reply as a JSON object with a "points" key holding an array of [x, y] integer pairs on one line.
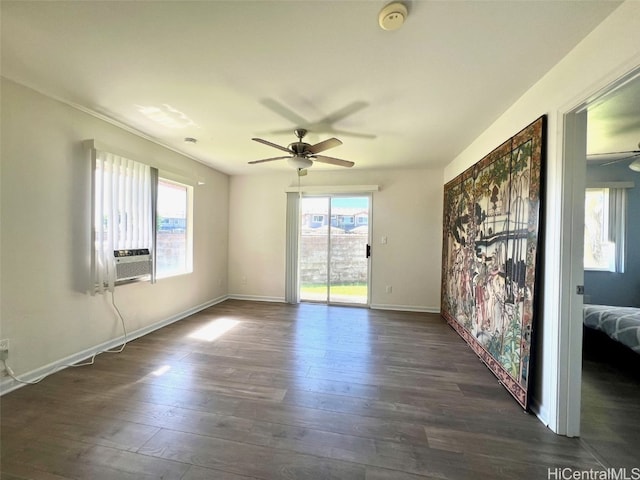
{"points": [[4, 349], [389, 289]]}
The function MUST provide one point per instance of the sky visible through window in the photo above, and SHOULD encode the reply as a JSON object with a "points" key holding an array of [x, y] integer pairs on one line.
{"points": [[319, 204], [350, 202]]}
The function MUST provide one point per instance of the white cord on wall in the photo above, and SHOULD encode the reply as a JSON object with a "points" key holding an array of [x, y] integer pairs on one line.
{"points": [[91, 361]]}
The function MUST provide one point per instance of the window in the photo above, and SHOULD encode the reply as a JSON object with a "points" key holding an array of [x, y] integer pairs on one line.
{"points": [[604, 228], [122, 210], [173, 239], [318, 218], [135, 210]]}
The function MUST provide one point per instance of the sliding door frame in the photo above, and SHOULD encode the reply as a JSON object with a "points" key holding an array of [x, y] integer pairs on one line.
{"points": [[292, 277], [330, 197]]}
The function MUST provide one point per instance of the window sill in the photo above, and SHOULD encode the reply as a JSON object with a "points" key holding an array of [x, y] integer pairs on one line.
{"points": [[173, 275]]}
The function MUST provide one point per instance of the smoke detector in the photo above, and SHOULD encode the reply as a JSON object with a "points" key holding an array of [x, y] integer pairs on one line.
{"points": [[392, 16]]}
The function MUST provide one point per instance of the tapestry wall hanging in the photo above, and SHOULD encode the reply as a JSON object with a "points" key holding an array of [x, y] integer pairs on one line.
{"points": [[490, 245]]}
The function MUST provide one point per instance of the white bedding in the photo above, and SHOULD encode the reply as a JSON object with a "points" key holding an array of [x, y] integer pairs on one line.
{"points": [[620, 323]]}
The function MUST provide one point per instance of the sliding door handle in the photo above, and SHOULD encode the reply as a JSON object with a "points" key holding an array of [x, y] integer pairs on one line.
{"points": [[368, 250]]}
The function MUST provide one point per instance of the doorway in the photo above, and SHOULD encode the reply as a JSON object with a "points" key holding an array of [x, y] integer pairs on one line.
{"points": [[334, 247], [595, 130]]}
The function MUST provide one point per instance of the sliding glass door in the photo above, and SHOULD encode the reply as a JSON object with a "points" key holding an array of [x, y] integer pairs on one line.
{"points": [[334, 243]]}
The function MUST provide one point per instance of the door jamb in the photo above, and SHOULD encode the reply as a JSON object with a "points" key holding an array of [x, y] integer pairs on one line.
{"points": [[568, 363]]}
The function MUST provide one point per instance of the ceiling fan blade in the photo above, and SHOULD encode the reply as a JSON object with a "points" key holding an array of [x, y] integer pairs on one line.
{"points": [[265, 142], [324, 145], [267, 160], [283, 131], [612, 154], [332, 161], [284, 112], [345, 133], [618, 160]]}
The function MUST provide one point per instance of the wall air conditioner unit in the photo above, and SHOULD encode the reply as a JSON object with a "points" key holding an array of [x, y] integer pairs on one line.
{"points": [[135, 264]]}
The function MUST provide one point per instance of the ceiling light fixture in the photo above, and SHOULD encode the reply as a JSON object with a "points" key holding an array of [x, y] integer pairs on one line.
{"points": [[392, 16], [635, 165], [299, 162]]}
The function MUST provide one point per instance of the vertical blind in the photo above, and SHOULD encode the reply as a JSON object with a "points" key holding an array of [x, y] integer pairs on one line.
{"points": [[617, 225], [291, 290], [124, 211]]}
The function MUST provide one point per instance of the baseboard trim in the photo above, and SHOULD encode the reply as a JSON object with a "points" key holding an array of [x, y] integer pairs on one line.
{"points": [[539, 411], [9, 384], [255, 298], [405, 308], [374, 306]]}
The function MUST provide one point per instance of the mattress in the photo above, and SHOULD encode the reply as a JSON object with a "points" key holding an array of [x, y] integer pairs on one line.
{"points": [[622, 324]]}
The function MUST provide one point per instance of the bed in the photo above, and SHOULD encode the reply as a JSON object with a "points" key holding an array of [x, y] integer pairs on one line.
{"points": [[622, 324]]}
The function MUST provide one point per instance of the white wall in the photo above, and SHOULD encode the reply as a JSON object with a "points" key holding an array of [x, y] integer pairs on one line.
{"points": [[608, 52], [257, 236], [407, 210], [45, 247]]}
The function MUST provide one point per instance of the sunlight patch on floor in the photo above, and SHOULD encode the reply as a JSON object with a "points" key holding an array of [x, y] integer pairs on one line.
{"points": [[161, 371], [214, 330]]}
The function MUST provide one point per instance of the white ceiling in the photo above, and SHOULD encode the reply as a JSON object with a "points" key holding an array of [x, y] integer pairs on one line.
{"points": [[613, 123], [226, 71]]}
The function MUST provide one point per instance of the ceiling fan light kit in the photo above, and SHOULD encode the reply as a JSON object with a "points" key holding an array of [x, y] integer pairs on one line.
{"points": [[635, 165], [299, 162], [392, 16]]}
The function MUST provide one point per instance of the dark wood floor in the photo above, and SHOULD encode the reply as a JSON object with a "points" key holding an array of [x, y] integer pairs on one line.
{"points": [[271, 391], [610, 424]]}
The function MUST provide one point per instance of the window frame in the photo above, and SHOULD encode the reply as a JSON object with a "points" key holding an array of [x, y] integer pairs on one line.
{"points": [[163, 177], [93, 147], [618, 244]]}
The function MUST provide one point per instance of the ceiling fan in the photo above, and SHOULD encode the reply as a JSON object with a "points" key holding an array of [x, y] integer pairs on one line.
{"points": [[612, 158], [302, 155]]}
